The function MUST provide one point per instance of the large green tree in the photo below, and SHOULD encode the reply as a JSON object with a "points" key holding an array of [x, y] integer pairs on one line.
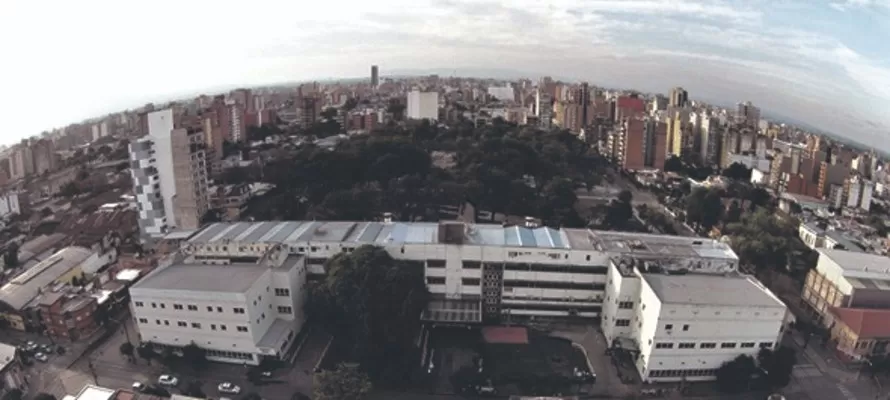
{"points": [[345, 382], [778, 364], [374, 303], [735, 376]]}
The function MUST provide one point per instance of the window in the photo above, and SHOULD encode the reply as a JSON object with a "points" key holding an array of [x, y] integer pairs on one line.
{"points": [[157, 321], [622, 322], [282, 292], [472, 264], [471, 281], [727, 345], [242, 328], [162, 305], [626, 305], [687, 345], [209, 308], [196, 325], [435, 263], [143, 320], [766, 345], [238, 310], [435, 280], [285, 310], [193, 307], [669, 326], [708, 346], [664, 345], [218, 309], [166, 322], [154, 305], [747, 345], [139, 304], [181, 323], [212, 327], [177, 306], [685, 327]]}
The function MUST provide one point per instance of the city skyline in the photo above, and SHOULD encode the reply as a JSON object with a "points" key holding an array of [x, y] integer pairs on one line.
{"points": [[819, 63]]}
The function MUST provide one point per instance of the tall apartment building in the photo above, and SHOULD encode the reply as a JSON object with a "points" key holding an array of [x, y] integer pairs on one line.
{"points": [[654, 144], [679, 98], [679, 302], [423, 105], [168, 159], [709, 139], [43, 155], [375, 78], [544, 108], [680, 133], [658, 103], [627, 144], [747, 114]]}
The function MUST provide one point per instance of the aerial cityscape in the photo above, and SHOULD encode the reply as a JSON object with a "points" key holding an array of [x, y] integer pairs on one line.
{"points": [[426, 231]]}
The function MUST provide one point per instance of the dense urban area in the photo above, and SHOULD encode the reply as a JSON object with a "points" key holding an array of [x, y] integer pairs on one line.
{"points": [[431, 237]]}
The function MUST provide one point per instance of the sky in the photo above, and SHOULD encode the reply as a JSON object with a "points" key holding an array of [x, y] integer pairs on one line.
{"points": [[824, 62]]}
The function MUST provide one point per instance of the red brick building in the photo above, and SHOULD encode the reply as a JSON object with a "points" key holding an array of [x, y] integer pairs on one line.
{"points": [[68, 316]]}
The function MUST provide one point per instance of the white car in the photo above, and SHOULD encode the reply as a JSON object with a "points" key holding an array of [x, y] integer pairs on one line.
{"points": [[138, 386], [168, 380], [228, 387], [41, 357]]}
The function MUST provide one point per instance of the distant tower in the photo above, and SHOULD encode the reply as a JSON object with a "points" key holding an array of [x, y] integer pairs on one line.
{"points": [[679, 97], [375, 78]]}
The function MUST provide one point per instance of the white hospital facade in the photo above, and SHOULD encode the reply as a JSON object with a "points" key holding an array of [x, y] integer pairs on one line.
{"points": [[654, 294]]}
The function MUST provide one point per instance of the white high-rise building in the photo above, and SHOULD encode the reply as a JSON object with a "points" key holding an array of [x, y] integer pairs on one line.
{"points": [[158, 168], [423, 105]]}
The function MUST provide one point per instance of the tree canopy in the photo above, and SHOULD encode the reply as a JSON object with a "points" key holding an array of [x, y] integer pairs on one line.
{"points": [[374, 303], [501, 168], [762, 240], [345, 382], [737, 171], [735, 376]]}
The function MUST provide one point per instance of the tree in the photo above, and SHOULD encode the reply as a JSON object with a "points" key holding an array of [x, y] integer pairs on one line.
{"points": [[146, 352], [167, 357], [737, 171], [734, 213], [345, 382], [673, 164], [778, 364], [329, 113], [126, 349], [14, 394], [194, 355], [44, 396], [45, 212], [11, 257], [619, 211], [373, 302], [735, 376], [704, 208]]}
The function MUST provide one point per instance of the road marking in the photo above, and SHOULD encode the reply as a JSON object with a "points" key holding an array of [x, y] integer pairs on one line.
{"points": [[849, 395]]}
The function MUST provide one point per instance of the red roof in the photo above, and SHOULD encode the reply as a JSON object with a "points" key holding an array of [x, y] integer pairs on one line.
{"points": [[867, 323], [505, 335]]}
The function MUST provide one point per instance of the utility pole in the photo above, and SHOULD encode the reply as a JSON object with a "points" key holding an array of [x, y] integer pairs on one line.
{"points": [[93, 372]]}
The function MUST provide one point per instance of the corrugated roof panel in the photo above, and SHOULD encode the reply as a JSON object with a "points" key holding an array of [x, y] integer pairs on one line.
{"points": [[246, 232], [369, 235], [274, 231], [511, 236], [557, 238], [542, 237], [223, 233], [490, 237], [209, 232], [260, 231], [421, 233], [237, 230], [399, 233], [307, 231], [285, 232], [383, 236], [527, 236]]}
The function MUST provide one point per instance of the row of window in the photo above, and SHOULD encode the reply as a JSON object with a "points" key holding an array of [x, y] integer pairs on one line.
{"points": [[192, 307], [525, 267], [678, 373], [713, 345], [438, 280], [237, 355], [514, 283], [195, 325], [553, 307]]}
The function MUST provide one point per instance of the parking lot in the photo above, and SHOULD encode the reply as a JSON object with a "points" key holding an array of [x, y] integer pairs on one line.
{"points": [[546, 365]]}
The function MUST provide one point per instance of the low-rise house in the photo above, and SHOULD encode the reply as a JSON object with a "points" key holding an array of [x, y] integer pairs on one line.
{"points": [[12, 375], [846, 279], [861, 332], [69, 314]]}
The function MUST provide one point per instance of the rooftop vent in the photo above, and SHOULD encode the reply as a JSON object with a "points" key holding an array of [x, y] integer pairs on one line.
{"points": [[530, 222], [387, 218]]}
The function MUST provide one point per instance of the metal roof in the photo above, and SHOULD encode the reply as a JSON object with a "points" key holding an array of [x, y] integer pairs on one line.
{"points": [[477, 234], [25, 287], [711, 290], [236, 277]]}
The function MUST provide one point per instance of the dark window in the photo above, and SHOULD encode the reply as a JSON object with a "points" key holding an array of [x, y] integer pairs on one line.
{"points": [[553, 285], [435, 263], [471, 281], [435, 280], [472, 264]]}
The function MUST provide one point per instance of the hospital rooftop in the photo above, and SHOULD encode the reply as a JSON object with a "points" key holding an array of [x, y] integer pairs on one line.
{"points": [[385, 234]]}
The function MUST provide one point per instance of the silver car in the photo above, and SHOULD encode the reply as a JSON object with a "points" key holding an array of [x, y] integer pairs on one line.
{"points": [[228, 387]]}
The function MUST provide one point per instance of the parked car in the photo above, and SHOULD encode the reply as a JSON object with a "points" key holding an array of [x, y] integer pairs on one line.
{"points": [[266, 374], [228, 387], [41, 357], [45, 348], [138, 386], [168, 380], [31, 346]]}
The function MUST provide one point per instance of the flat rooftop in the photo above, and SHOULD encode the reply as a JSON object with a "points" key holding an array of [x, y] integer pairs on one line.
{"points": [[705, 289], [858, 264], [379, 233], [231, 278]]}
